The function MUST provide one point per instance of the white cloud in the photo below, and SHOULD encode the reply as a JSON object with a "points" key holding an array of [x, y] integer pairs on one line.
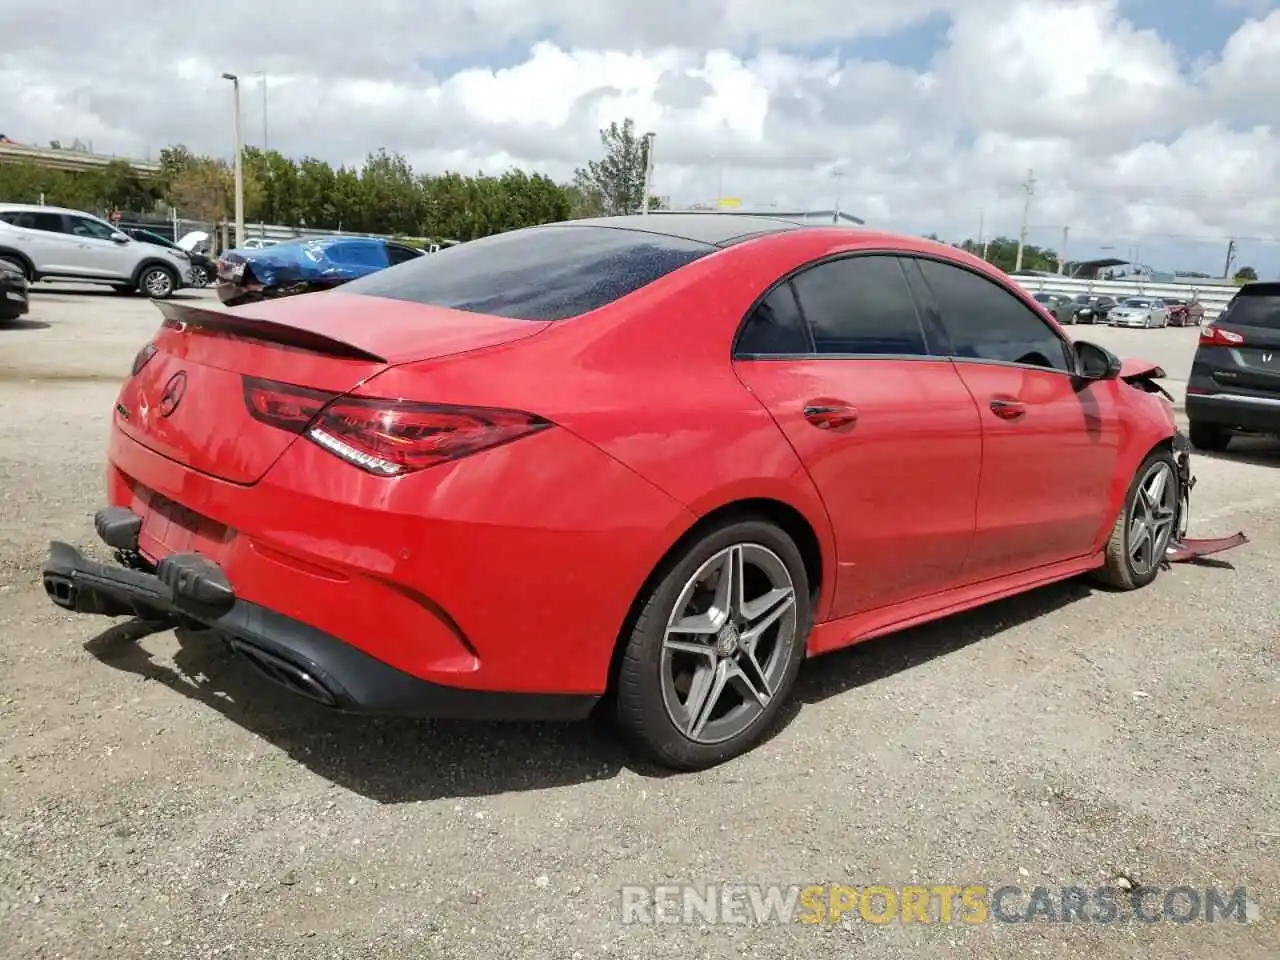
{"points": [[1127, 142]]}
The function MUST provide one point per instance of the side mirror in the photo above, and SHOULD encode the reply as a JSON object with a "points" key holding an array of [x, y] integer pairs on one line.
{"points": [[119, 238], [1094, 362]]}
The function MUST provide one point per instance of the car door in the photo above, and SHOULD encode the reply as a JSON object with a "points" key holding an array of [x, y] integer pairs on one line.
{"points": [[96, 254], [44, 238], [1050, 442], [887, 431]]}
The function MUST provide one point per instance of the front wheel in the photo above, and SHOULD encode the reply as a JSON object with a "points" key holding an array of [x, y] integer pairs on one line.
{"points": [[1140, 539], [199, 276], [158, 283], [716, 647]]}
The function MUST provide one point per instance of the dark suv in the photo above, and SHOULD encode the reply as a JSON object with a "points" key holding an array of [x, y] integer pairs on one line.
{"points": [[1235, 376]]}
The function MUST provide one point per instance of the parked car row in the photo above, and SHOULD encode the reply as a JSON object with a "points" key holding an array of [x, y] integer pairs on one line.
{"points": [[1127, 312]]}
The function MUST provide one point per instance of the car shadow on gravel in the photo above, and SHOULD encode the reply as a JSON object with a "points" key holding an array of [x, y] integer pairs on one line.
{"points": [[399, 761], [22, 324], [839, 672]]}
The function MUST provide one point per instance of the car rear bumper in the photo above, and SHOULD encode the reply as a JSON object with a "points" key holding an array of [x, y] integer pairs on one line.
{"points": [[188, 589], [1260, 414], [14, 299]]}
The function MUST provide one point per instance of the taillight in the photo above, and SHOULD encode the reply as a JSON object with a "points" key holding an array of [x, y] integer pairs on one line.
{"points": [[283, 405], [387, 437], [142, 357], [1212, 336]]}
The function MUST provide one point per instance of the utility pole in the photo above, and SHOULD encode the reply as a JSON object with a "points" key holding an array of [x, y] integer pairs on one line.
{"points": [[835, 214], [648, 171], [982, 229], [265, 146], [1062, 254], [1030, 187], [235, 92], [1231, 255]]}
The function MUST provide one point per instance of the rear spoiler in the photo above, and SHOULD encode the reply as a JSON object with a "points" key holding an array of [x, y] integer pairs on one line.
{"points": [[184, 316]]}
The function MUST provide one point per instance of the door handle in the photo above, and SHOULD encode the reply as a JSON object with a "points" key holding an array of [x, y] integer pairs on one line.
{"points": [[1008, 409], [830, 414]]}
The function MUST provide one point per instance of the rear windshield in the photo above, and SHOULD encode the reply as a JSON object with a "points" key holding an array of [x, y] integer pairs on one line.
{"points": [[540, 273], [1255, 307]]}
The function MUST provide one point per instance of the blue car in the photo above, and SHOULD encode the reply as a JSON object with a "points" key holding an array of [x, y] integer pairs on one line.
{"points": [[247, 275]]}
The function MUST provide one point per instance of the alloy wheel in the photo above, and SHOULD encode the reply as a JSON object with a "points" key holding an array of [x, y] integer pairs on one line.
{"points": [[1151, 517], [157, 283], [728, 643]]}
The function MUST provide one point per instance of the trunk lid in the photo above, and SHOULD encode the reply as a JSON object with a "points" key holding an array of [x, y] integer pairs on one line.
{"points": [[189, 400]]}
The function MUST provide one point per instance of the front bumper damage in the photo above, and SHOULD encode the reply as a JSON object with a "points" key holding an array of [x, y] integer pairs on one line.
{"points": [[1182, 548]]}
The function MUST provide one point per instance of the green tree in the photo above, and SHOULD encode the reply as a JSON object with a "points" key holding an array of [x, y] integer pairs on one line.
{"points": [[614, 184], [1002, 252], [1245, 275]]}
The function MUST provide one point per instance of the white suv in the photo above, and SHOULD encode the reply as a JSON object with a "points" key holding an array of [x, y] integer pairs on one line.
{"points": [[53, 243]]}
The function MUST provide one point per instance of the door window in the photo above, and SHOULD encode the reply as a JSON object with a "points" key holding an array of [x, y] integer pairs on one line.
{"points": [[398, 254], [776, 327], [860, 306], [987, 322], [84, 227]]}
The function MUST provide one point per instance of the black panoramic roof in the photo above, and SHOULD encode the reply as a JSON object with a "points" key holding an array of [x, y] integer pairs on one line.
{"points": [[719, 230]]}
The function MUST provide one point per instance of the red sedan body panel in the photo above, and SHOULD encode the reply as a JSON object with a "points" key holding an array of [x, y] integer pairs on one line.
{"points": [[514, 568]]}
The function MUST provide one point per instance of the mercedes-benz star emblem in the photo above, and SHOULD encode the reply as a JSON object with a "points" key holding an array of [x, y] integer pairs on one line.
{"points": [[173, 392]]}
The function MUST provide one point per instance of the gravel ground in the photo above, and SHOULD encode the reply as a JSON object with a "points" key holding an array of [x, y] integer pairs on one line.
{"points": [[160, 801]]}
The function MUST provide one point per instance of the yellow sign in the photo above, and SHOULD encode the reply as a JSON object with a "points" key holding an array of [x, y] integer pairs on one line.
{"points": [[730, 201]]}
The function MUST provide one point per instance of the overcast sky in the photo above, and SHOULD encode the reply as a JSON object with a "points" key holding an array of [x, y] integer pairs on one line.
{"points": [[1153, 126]]}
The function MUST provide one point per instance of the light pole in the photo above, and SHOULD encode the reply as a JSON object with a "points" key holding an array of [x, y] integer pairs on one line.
{"points": [[239, 163], [265, 146], [648, 171]]}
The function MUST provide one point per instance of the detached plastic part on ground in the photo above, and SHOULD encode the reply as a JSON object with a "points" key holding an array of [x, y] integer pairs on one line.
{"points": [[1184, 549]]}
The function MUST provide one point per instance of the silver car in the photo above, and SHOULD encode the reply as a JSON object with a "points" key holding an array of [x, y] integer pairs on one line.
{"points": [[54, 243], [1139, 312]]}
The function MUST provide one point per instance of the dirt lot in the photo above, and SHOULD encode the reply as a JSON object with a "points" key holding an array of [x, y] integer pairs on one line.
{"points": [[161, 801]]}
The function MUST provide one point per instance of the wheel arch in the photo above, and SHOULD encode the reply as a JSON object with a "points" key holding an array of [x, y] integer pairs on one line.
{"points": [[786, 517], [21, 259], [1124, 477]]}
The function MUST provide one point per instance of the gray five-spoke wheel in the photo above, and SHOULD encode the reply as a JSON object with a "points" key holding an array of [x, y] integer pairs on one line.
{"points": [[728, 643], [1152, 516]]}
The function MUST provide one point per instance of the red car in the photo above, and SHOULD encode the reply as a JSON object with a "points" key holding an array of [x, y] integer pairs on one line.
{"points": [[655, 460], [1184, 313]]}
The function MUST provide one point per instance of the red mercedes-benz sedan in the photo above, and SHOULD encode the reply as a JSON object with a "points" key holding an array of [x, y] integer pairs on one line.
{"points": [[654, 461]]}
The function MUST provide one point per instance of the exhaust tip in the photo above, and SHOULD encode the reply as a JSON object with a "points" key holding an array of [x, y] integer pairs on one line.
{"points": [[282, 672], [61, 591]]}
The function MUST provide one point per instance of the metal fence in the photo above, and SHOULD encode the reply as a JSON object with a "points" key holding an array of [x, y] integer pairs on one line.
{"points": [[1213, 295]]}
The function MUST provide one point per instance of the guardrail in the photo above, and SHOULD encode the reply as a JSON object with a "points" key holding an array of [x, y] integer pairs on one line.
{"points": [[1213, 296]]}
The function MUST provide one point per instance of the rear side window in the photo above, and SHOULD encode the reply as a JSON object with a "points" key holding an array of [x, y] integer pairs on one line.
{"points": [[1255, 308], [861, 306], [776, 327], [540, 273], [48, 222]]}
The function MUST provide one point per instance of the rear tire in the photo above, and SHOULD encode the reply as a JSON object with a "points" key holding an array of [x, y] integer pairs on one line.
{"points": [[1139, 541], [738, 652], [1208, 437]]}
